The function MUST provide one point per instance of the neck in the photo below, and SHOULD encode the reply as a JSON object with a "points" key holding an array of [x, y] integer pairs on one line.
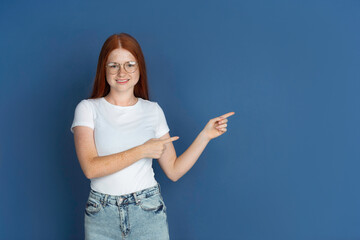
{"points": [[121, 100]]}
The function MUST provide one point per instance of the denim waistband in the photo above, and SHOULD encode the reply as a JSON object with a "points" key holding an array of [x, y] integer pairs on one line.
{"points": [[126, 198]]}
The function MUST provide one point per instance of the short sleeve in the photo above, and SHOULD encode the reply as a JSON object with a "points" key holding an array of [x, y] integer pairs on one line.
{"points": [[162, 126], [83, 115]]}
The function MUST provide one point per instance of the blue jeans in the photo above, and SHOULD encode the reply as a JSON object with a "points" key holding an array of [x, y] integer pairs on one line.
{"points": [[138, 215]]}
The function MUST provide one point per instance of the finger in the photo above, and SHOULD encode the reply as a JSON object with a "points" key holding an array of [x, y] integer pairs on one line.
{"points": [[222, 126], [223, 116], [223, 121], [171, 139], [227, 115]]}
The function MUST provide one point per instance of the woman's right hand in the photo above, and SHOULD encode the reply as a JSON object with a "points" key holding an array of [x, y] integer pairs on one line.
{"points": [[155, 147]]}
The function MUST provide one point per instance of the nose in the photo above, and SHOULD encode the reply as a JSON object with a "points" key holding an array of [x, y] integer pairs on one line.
{"points": [[121, 70]]}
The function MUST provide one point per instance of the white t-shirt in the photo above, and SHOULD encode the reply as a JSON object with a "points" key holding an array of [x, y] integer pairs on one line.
{"points": [[117, 129]]}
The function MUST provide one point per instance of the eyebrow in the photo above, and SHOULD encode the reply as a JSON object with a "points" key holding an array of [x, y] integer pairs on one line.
{"points": [[125, 61]]}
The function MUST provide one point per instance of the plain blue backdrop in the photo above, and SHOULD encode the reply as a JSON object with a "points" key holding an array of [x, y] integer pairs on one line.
{"points": [[288, 166]]}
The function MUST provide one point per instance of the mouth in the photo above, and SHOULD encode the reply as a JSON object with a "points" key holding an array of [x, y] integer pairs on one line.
{"points": [[122, 81]]}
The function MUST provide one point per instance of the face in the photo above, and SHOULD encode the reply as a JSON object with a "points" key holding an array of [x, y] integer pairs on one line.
{"points": [[122, 56]]}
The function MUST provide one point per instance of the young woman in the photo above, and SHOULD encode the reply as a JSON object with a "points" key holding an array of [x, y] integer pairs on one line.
{"points": [[117, 133]]}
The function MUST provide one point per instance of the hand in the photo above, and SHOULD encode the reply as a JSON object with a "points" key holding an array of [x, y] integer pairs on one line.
{"points": [[216, 126], [155, 147]]}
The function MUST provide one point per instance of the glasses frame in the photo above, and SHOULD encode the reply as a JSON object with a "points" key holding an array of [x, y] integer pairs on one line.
{"points": [[121, 66]]}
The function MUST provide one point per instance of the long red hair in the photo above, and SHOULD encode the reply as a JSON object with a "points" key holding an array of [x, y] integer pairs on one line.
{"points": [[101, 88]]}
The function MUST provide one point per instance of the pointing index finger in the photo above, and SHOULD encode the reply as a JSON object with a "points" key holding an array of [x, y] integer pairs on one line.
{"points": [[171, 139], [227, 115]]}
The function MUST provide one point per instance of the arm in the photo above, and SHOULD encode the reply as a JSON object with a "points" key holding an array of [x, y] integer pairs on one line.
{"points": [[94, 166], [175, 167], [186, 160], [109, 164]]}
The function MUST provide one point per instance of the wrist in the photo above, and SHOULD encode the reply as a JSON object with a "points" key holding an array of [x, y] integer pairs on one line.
{"points": [[141, 151], [204, 137]]}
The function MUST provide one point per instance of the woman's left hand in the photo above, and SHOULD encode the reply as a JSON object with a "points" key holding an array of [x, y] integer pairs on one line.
{"points": [[216, 126]]}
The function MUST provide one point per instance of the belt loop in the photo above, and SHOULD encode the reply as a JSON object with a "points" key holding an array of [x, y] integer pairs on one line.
{"points": [[159, 187], [136, 200], [104, 201]]}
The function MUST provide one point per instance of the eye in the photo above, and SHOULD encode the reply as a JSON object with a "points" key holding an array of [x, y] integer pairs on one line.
{"points": [[113, 66], [130, 65]]}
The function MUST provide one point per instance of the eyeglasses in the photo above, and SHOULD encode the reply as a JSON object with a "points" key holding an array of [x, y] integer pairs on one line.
{"points": [[129, 67]]}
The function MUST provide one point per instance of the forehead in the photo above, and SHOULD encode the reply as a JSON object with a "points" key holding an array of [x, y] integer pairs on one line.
{"points": [[120, 55]]}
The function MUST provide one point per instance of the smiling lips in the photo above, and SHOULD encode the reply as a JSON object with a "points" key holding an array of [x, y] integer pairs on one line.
{"points": [[122, 81]]}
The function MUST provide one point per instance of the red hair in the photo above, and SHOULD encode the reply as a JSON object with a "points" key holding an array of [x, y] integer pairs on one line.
{"points": [[122, 40]]}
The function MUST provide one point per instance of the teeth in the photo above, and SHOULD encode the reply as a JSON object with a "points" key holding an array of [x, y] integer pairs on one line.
{"points": [[122, 81]]}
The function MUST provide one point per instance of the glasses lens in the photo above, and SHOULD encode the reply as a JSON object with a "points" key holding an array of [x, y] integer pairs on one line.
{"points": [[130, 67], [113, 68]]}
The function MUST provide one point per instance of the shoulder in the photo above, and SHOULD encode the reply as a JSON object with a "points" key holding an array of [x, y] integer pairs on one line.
{"points": [[88, 106], [90, 103], [151, 105], [83, 104], [93, 101]]}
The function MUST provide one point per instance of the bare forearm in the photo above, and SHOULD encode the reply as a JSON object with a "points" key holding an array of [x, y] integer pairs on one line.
{"points": [[106, 165], [185, 161]]}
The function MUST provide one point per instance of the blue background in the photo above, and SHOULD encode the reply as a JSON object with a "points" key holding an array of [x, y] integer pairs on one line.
{"points": [[288, 166]]}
